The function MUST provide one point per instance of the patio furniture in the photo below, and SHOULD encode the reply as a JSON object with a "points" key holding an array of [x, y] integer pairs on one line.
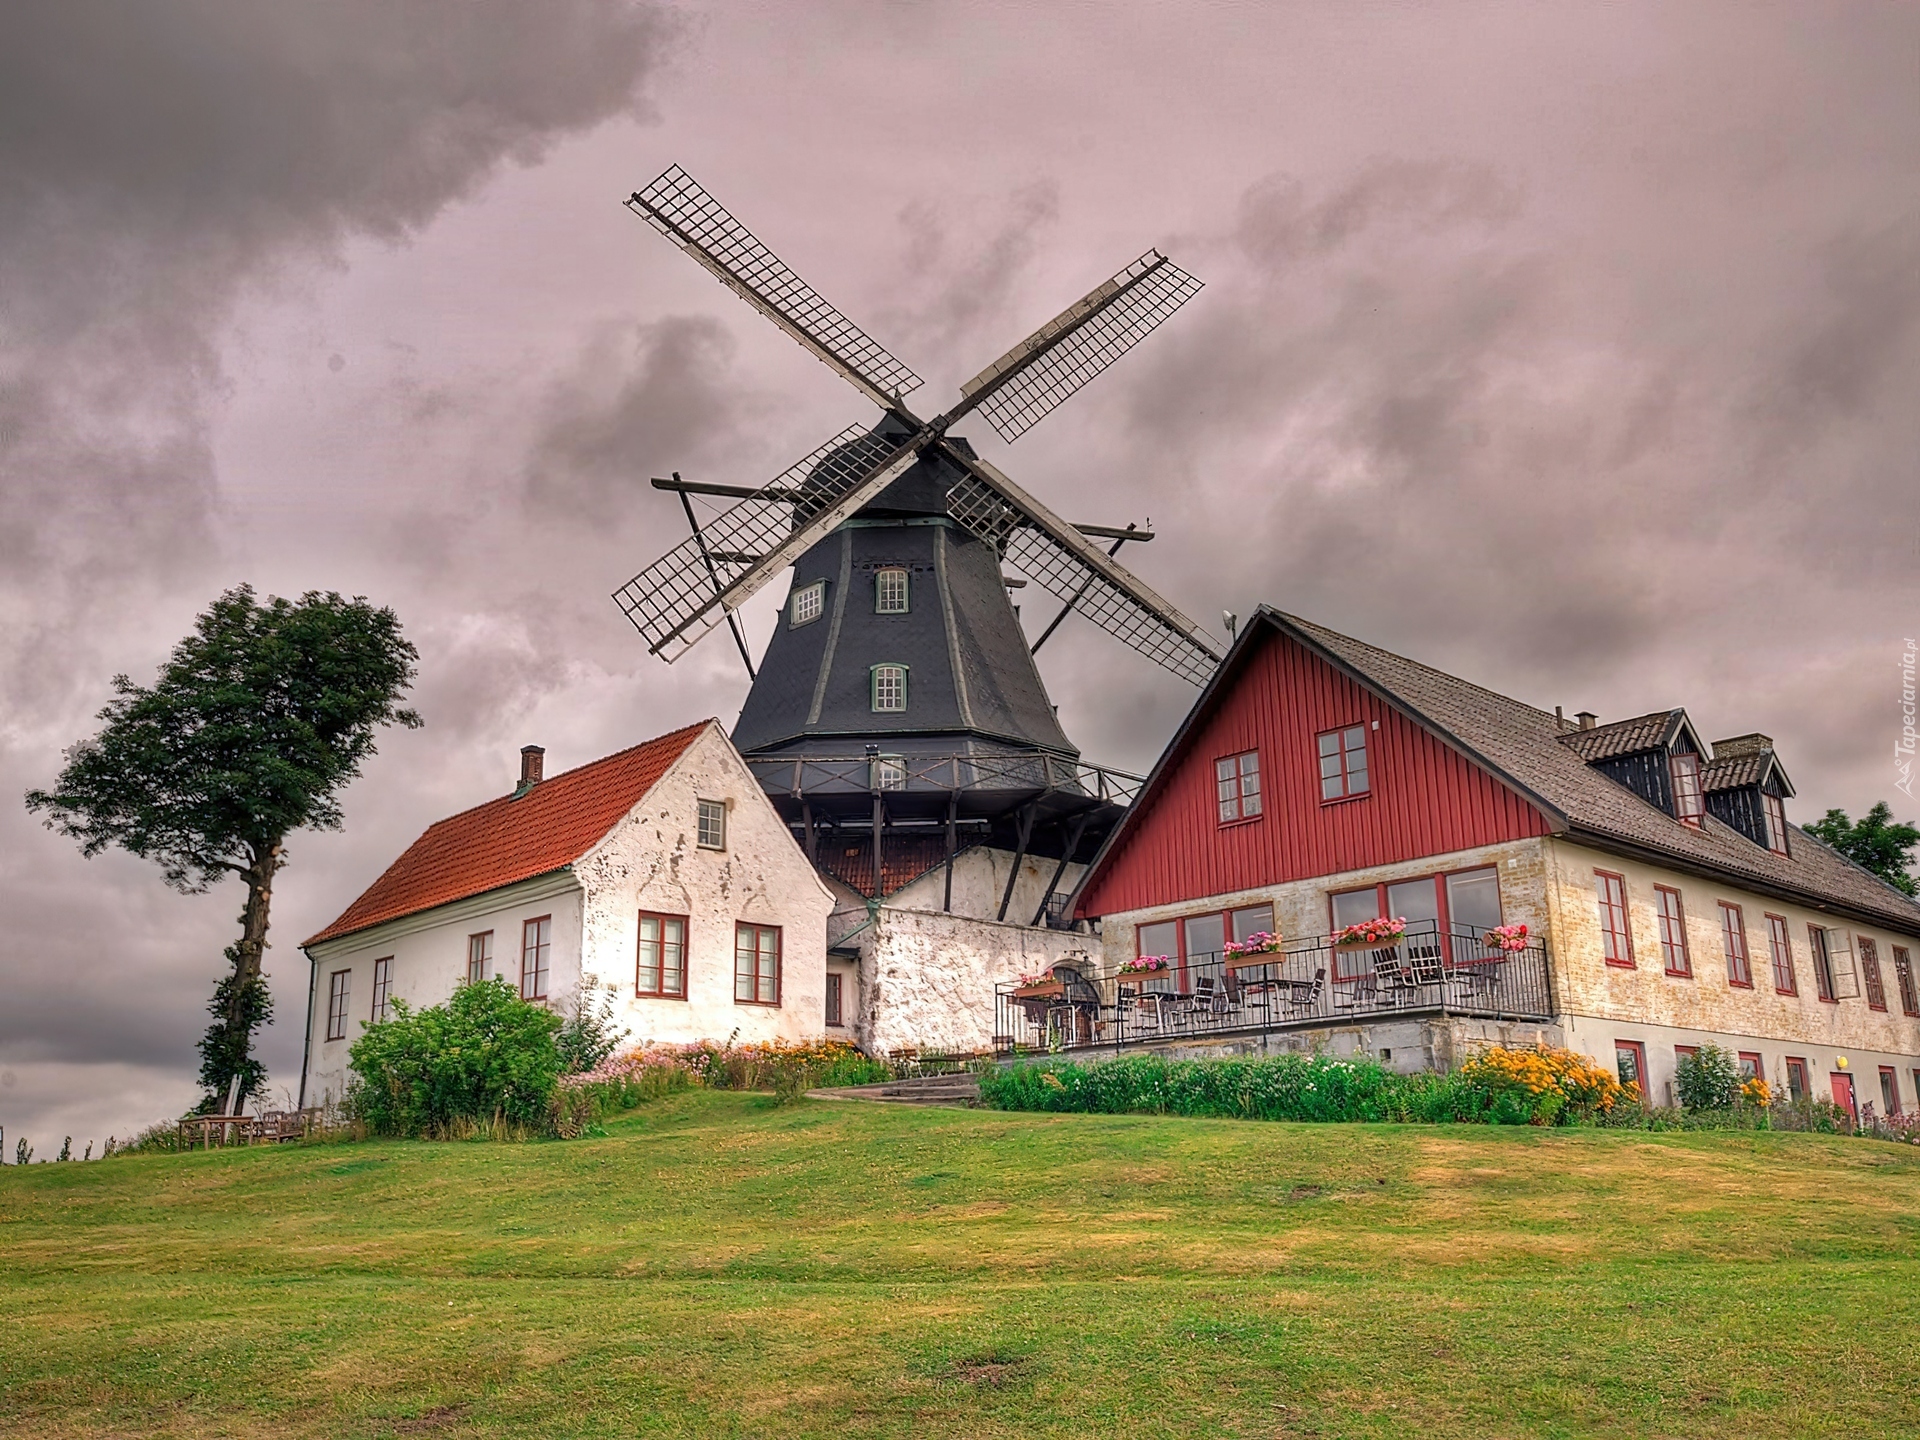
{"points": [[1304, 995], [1390, 976]]}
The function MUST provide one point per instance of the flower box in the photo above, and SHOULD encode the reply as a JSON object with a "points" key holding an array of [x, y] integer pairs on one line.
{"points": [[1048, 989], [1145, 965], [1505, 937], [1370, 935]]}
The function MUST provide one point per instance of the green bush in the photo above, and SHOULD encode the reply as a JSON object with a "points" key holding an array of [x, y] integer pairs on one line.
{"points": [[485, 1058], [1287, 1087], [1708, 1079]]}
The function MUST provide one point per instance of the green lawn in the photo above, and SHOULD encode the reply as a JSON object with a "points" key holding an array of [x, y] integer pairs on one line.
{"points": [[719, 1267]]}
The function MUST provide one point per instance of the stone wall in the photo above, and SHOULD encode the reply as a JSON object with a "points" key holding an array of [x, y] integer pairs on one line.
{"points": [[927, 978]]}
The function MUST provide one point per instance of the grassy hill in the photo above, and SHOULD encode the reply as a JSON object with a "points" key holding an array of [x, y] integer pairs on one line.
{"points": [[719, 1267]]}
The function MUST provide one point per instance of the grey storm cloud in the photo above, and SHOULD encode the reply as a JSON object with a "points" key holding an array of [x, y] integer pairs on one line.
{"points": [[158, 164]]}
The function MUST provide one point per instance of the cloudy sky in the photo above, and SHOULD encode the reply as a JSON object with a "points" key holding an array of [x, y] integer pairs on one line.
{"points": [[1571, 348]]}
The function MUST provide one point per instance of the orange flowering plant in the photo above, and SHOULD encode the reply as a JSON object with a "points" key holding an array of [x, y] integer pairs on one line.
{"points": [[1540, 1085]]}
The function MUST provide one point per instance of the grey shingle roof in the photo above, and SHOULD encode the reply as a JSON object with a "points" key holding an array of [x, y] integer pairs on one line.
{"points": [[1523, 744], [1624, 737], [1733, 772]]}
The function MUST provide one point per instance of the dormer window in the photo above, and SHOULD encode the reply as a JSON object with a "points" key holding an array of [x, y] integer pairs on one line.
{"points": [[1776, 813], [889, 689], [890, 591], [1688, 804]]}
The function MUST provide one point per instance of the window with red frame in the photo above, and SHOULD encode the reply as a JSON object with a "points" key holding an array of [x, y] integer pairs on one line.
{"points": [[1343, 763], [660, 968], [1673, 931], [1776, 824], [756, 964], [1452, 906], [382, 988], [1630, 1059], [1781, 944], [1237, 779], [1903, 975], [339, 985], [1687, 802], [536, 947], [1611, 891], [1196, 940], [1870, 971], [1751, 1067], [1889, 1090], [1733, 935], [1796, 1078]]}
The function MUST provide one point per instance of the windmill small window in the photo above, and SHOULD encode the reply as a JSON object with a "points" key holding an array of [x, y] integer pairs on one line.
{"points": [[890, 591], [888, 772], [889, 689], [809, 602]]}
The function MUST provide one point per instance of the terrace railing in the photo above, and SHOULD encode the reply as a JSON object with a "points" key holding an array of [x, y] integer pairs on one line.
{"points": [[1034, 770], [1309, 983]]}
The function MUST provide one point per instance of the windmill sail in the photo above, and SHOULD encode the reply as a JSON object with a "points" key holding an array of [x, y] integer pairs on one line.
{"points": [[689, 590], [1056, 556], [678, 207], [1020, 388]]}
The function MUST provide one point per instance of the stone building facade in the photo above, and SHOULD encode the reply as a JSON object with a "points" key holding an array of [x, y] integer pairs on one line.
{"points": [[1677, 905]]}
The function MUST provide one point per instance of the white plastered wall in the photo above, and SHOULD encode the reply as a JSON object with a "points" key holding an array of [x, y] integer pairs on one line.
{"points": [[652, 861], [429, 952]]}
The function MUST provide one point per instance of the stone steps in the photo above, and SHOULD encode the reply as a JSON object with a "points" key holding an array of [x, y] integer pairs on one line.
{"points": [[962, 1089]]}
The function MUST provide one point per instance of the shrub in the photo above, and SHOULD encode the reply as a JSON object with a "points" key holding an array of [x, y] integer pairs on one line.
{"points": [[1536, 1085], [483, 1058], [588, 1036], [1708, 1079], [1286, 1087]]}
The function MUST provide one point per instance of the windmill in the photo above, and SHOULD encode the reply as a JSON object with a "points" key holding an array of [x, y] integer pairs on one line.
{"points": [[898, 702]]}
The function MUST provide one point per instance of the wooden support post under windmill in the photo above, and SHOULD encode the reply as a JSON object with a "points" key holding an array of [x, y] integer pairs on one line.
{"points": [[953, 811], [1025, 825], [1074, 831]]}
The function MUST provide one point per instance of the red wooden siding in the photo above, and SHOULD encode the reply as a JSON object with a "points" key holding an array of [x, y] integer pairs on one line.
{"points": [[1425, 798]]}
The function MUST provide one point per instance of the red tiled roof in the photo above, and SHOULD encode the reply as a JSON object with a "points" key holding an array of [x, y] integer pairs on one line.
{"points": [[505, 840], [903, 859]]}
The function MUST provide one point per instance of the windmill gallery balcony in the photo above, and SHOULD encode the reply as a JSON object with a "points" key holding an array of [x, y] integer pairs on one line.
{"points": [[1307, 984]]}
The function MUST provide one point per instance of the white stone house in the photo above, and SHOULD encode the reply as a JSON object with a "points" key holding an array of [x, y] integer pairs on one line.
{"points": [[662, 873]]}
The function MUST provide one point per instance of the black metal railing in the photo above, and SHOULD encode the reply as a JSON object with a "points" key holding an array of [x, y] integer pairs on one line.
{"points": [[1305, 984], [888, 773]]}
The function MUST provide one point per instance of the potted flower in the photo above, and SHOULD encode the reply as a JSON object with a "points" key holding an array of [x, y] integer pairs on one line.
{"points": [[1145, 965], [1370, 934], [1505, 937], [1039, 986], [1261, 942]]}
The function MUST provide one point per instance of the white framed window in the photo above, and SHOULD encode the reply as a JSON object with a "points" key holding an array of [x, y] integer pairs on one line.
{"points": [[382, 988], [339, 989], [1237, 780], [1776, 823], [713, 824], [888, 772], [807, 604], [890, 590], [536, 952], [1688, 804], [889, 689]]}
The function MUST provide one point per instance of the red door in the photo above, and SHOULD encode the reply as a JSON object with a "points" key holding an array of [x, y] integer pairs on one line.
{"points": [[1843, 1094]]}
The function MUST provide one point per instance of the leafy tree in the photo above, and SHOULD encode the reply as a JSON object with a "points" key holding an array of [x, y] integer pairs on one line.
{"points": [[1708, 1079], [1876, 842], [256, 722]]}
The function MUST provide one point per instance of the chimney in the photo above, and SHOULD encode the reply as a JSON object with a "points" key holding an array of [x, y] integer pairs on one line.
{"points": [[1559, 718], [1755, 744], [531, 760], [1586, 718]]}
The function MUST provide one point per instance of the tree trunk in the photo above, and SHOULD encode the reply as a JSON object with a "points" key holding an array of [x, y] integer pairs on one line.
{"points": [[240, 1014]]}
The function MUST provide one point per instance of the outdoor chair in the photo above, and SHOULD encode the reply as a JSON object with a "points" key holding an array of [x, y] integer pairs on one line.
{"points": [[1304, 995], [1390, 977]]}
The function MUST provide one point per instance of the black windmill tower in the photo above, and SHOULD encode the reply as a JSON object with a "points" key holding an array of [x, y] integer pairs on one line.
{"points": [[897, 711]]}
